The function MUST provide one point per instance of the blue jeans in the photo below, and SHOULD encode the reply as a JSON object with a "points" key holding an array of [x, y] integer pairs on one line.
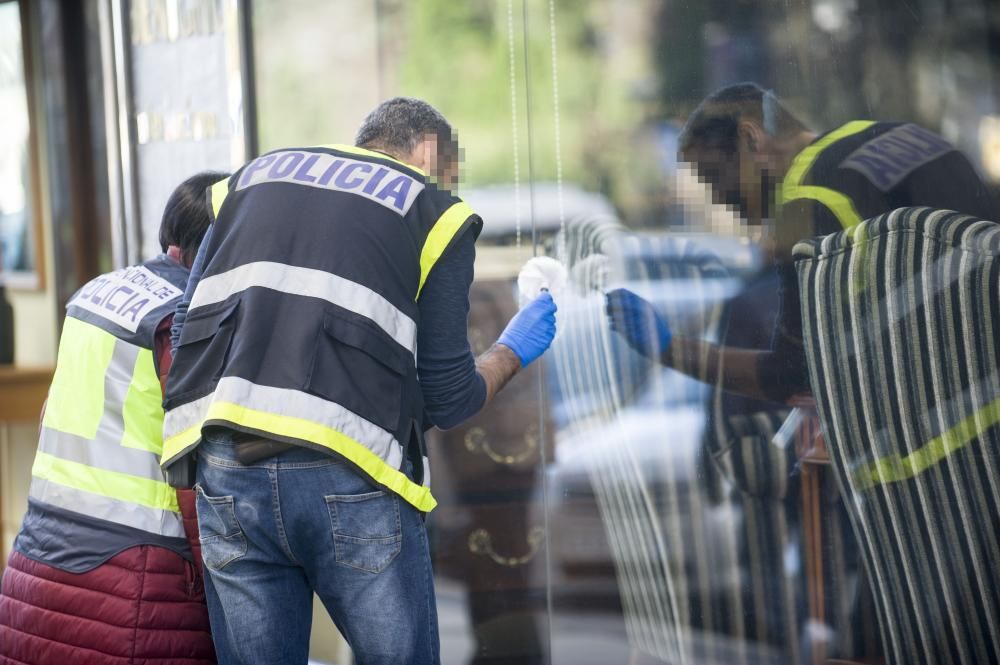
{"points": [[276, 531]]}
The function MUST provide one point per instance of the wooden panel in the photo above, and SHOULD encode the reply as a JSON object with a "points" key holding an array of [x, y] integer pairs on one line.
{"points": [[17, 452], [812, 454], [22, 392], [488, 531]]}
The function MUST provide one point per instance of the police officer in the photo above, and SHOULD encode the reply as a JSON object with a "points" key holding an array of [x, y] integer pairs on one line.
{"points": [[101, 570], [764, 161], [328, 311]]}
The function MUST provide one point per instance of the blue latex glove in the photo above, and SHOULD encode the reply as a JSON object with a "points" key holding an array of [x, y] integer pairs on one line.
{"points": [[531, 330], [635, 319]]}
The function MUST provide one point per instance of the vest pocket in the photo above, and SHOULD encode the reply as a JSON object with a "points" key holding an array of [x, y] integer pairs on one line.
{"points": [[205, 340], [366, 529], [359, 368]]}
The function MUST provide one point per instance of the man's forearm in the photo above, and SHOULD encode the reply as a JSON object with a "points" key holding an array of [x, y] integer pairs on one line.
{"points": [[497, 366], [731, 369]]}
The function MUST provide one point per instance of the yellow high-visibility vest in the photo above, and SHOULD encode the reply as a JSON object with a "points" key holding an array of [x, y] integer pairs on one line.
{"points": [[101, 435]]}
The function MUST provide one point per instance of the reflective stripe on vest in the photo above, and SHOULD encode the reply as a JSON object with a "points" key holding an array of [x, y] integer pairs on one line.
{"points": [[365, 152], [441, 237], [217, 194], [98, 453], [839, 204], [295, 280], [296, 415]]}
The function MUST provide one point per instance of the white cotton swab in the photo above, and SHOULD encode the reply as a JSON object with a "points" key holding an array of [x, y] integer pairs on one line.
{"points": [[539, 274]]}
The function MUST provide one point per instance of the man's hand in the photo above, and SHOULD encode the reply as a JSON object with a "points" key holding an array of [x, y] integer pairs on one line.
{"points": [[526, 337], [531, 330], [731, 369], [635, 319]]}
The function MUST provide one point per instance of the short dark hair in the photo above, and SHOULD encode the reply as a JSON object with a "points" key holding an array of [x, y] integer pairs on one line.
{"points": [[715, 123], [398, 124], [186, 216]]}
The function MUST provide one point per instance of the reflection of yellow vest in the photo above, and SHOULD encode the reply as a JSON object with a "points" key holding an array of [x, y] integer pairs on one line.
{"points": [[792, 188], [101, 436]]}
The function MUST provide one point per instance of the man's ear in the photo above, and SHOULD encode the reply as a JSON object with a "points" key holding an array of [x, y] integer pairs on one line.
{"points": [[751, 136], [420, 156], [428, 151]]}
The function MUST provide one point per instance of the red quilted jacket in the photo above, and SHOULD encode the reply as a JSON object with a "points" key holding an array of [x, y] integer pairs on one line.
{"points": [[145, 606]]}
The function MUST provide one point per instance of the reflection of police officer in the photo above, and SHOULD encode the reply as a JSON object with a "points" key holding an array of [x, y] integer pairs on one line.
{"points": [[744, 142]]}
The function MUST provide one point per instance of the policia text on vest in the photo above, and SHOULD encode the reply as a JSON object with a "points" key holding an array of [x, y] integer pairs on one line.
{"points": [[344, 307]]}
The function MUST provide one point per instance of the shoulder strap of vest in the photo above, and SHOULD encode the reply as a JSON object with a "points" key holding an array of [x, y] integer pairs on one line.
{"points": [[453, 222], [217, 194]]}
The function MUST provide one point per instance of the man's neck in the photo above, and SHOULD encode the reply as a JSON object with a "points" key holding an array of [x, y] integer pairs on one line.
{"points": [[790, 148], [409, 160]]}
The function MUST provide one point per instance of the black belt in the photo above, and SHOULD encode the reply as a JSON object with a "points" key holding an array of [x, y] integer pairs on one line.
{"points": [[257, 449], [182, 474]]}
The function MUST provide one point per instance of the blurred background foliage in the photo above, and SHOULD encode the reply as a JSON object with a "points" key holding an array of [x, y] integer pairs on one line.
{"points": [[628, 74]]}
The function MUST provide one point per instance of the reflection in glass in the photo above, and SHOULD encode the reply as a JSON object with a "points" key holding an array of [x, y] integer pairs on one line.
{"points": [[702, 505], [910, 414], [187, 95], [16, 242]]}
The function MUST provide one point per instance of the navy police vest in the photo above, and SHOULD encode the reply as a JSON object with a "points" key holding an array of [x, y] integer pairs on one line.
{"points": [[303, 327]]}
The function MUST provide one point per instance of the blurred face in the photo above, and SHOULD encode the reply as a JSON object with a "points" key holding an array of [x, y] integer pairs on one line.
{"points": [[743, 179], [723, 173], [438, 160], [445, 171]]}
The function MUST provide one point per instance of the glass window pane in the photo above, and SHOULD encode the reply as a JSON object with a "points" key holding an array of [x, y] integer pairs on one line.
{"points": [[17, 248], [763, 433]]}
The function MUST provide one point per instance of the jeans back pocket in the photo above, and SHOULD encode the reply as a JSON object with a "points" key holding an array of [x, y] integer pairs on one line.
{"points": [[222, 538], [366, 529]]}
